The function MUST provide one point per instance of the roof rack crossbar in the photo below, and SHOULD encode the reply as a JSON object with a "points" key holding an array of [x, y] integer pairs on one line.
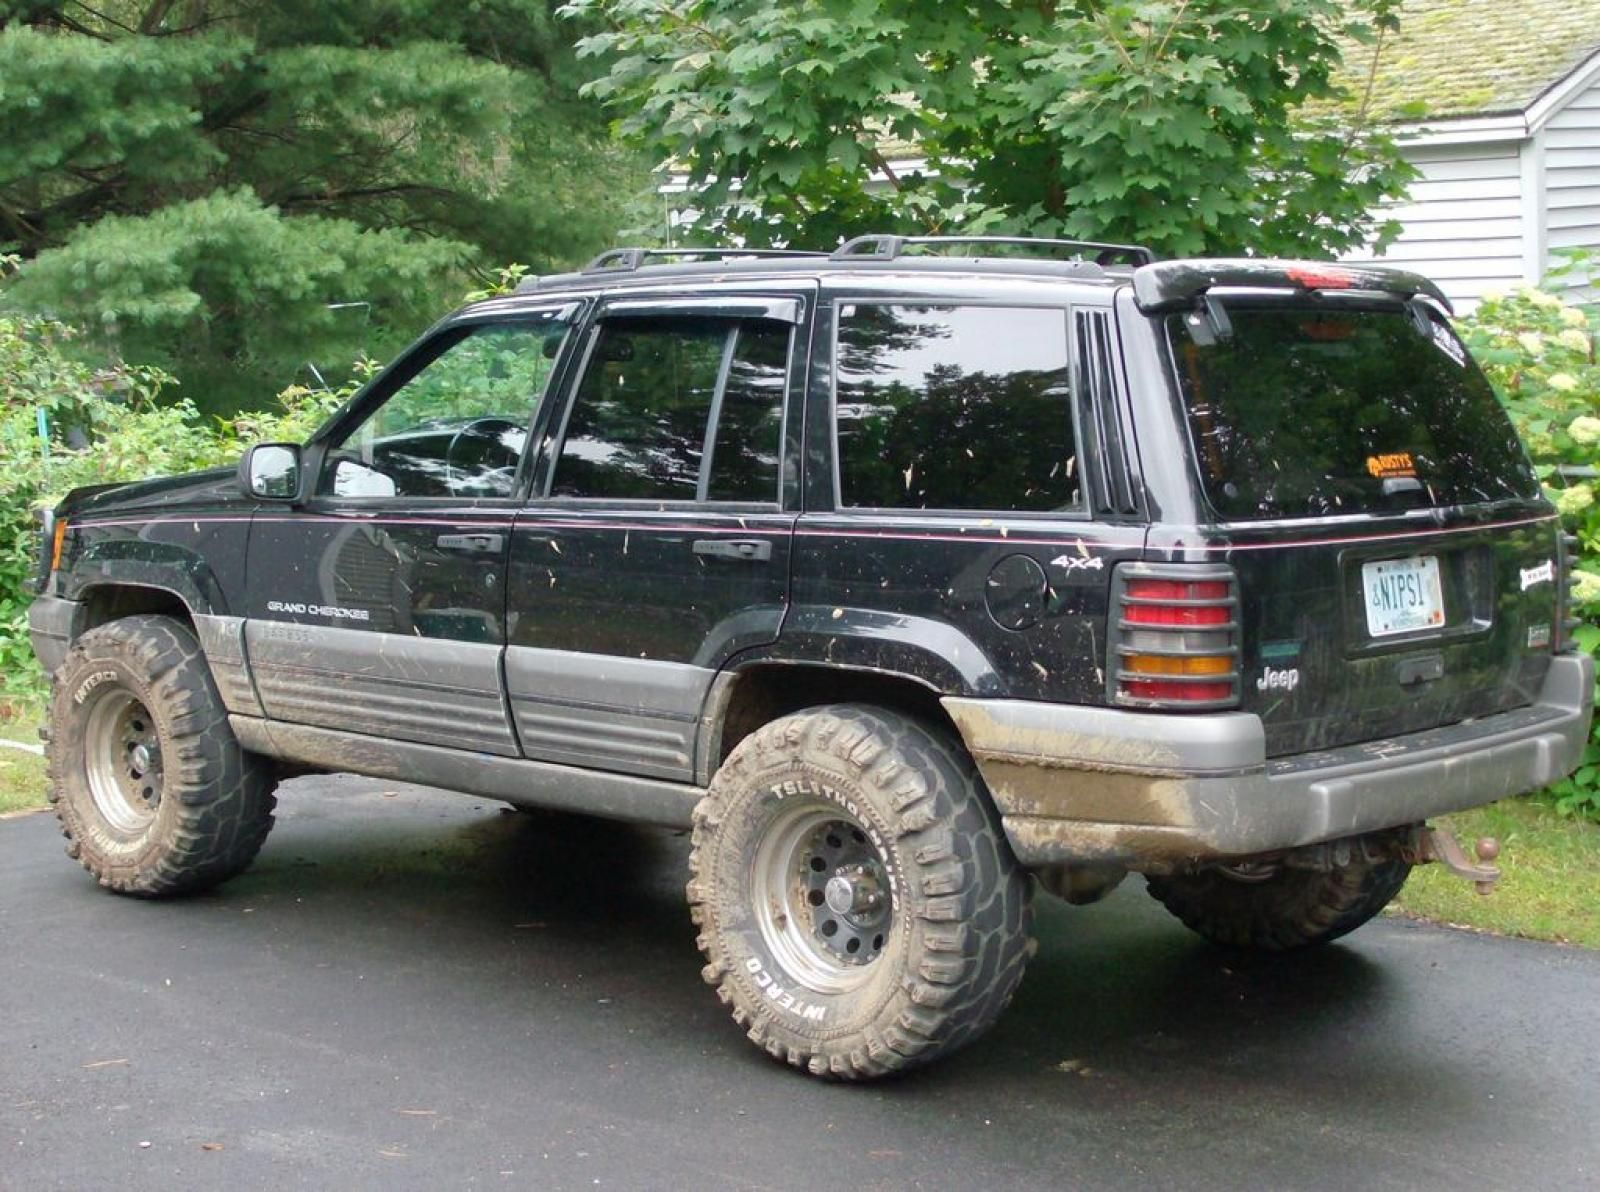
{"points": [[879, 246], [626, 260]]}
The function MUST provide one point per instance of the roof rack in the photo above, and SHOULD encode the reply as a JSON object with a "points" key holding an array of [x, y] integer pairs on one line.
{"points": [[626, 260], [886, 248]]}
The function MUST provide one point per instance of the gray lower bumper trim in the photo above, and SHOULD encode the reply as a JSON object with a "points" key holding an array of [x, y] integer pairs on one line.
{"points": [[1099, 803], [53, 623]]}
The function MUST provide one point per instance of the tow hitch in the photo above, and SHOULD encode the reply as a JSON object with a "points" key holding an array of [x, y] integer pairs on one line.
{"points": [[1435, 844]]}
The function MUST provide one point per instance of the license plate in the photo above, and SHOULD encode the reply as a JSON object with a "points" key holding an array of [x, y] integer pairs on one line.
{"points": [[1403, 595]]}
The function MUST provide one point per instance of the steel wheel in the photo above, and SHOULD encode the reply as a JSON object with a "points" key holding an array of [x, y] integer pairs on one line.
{"points": [[859, 909], [822, 897], [122, 761]]}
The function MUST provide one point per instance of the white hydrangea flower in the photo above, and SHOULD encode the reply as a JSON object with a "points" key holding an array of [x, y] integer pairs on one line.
{"points": [[1493, 294], [1585, 587], [1543, 298], [1532, 343], [1584, 429], [1573, 317], [1575, 499], [1561, 382], [1574, 340]]}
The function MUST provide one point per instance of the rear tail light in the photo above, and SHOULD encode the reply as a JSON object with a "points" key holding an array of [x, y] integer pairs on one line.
{"points": [[1176, 638], [1567, 623]]}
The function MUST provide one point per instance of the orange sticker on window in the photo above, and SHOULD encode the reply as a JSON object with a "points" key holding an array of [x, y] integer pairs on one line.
{"points": [[1397, 463]]}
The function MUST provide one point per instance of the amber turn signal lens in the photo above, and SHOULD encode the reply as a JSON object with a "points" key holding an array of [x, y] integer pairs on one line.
{"points": [[1158, 664], [55, 545]]}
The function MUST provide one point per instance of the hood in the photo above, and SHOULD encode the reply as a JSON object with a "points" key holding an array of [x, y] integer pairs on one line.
{"points": [[209, 489]]}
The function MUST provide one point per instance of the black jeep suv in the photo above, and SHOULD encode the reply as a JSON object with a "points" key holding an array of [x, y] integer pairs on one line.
{"points": [[904, 579]]}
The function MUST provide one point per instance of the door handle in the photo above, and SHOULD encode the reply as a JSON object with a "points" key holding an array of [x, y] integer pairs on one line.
{"points": [[474, 543], [754, 550]]}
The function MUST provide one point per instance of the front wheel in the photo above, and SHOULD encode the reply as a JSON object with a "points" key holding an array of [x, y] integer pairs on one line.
{"points": [[1274, 908], [859, 906], [154, 794]]}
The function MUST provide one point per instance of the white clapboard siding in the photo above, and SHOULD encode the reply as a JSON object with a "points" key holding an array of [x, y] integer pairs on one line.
{"points": [[1572, 173], [1461, 219]]}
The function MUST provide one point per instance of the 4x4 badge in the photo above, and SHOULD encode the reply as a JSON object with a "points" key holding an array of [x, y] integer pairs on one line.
{"points": [[1079, 562]]}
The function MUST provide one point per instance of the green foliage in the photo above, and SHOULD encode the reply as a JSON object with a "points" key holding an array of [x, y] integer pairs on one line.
{"points": [[1540, 354], [157, 283], [1176, 123], [197, 184], [103, 425], [496, 372]]}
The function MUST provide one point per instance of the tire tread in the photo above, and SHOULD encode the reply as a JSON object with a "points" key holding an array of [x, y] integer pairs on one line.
{"points": [[976, 940], [222, 794]]}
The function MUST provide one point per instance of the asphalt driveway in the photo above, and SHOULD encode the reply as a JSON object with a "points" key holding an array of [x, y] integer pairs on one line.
{"points": [[417, 990]]}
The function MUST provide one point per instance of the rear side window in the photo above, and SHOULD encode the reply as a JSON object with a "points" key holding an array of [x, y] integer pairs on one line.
{"points": [[678, 409], [1311, 412], [955, 407]]}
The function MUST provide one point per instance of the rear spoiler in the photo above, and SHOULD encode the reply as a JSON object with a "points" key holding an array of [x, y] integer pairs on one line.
{"points": [[1176, 285]]}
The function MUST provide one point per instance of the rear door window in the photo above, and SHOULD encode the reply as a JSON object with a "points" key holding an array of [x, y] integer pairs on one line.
{"points": [[678, 409], [955, 407], [1305, 411]]}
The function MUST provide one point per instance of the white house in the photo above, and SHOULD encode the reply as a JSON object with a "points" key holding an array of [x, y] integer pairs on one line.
{"points": [[1497, 104]]}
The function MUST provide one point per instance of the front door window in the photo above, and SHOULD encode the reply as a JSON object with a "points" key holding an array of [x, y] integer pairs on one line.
{"points": [[457, 427]]}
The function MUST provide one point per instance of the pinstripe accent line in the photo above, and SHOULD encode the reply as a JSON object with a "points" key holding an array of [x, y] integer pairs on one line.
{"points": [[1066, 537], [1435, 532]]}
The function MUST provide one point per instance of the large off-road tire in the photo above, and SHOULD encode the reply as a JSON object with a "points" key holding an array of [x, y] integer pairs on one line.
{"points": [[154, 794], [859, 908], [1275, 910]]}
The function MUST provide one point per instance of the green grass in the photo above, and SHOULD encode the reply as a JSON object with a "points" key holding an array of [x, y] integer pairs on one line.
{"points": [[1550, 883], [22, 779]]}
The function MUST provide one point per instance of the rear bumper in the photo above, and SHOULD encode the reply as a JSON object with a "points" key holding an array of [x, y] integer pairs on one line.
{"points": [[53, 624], [1146, 790]]}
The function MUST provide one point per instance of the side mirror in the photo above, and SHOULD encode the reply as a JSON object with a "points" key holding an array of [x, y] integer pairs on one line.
{"points": [[271, 471]]}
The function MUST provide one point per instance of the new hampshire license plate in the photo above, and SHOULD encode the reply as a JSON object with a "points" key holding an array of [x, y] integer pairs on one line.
{"points": [[1403, 595]]}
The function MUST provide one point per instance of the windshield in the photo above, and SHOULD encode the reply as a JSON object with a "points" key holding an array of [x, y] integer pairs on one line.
{"points": [[1303, 411]]}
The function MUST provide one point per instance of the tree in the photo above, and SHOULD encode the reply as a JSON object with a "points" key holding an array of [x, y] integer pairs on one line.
{"points": [[229, 188], [1187, 125]]}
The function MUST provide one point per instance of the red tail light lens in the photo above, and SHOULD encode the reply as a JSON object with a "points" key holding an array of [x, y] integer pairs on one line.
{"points": [[1176, 640], [1170, 602], [1171, 692]]}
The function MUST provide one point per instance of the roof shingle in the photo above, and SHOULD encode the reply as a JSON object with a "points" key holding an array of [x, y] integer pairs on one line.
{"points": [[1460, 58]]}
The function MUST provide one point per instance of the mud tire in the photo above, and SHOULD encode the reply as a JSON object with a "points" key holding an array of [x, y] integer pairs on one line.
{"points": [[958, 933], [1293, 908], [215, 799]]}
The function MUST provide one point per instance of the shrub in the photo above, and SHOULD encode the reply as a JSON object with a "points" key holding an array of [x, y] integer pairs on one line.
{"points": [[64, 424], [1539, 351]]}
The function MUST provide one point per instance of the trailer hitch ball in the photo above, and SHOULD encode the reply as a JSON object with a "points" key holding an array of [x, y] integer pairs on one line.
{"points": [[1439, 845]]}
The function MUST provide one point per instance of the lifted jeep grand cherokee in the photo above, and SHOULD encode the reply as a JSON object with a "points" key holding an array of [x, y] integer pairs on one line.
{"points": [[900, 577]]}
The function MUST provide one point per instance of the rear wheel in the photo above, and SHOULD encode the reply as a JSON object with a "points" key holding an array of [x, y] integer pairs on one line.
{"points": [[860, 909], [1275, 908], [154, 794]]}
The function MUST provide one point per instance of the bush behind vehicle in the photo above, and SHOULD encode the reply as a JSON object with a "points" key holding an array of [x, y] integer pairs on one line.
{"points": [[1540, 353], [102, 425]]}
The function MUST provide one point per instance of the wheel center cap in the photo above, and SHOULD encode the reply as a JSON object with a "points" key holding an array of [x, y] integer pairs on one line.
{"points": [[841, 895], [854, 893], [140, 759]]}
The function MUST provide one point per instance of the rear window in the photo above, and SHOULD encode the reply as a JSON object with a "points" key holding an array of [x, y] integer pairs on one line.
{"points": [[1309, 412]]}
